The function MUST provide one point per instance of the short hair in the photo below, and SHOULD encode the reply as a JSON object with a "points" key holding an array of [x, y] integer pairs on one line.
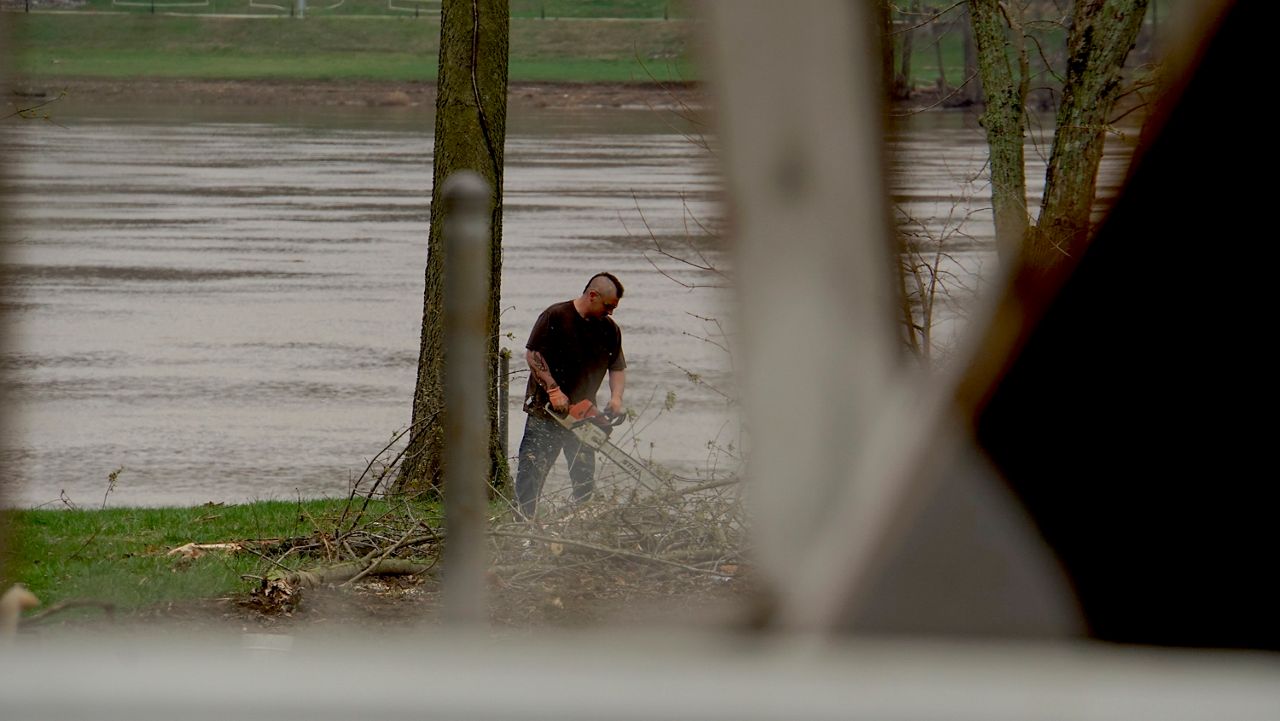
{"points": [[617, 284]]}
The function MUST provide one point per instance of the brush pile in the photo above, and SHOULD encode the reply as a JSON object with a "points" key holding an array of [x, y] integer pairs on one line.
{"points": [[622, 546]]}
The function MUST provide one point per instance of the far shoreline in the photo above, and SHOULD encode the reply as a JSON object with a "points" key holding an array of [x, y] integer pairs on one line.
{"points": [[683, 98], [27, 92]]}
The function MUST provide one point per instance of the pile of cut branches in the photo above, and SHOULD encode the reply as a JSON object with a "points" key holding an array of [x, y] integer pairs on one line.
{"points": [[684, 539], [403, 540]]}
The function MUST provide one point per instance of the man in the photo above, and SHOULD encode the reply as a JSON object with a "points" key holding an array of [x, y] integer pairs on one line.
{"points": [[571, 347]]}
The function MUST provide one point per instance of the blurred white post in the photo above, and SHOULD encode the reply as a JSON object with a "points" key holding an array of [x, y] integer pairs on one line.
{"points": [[466, 374], [802, 131], [7, 404]]}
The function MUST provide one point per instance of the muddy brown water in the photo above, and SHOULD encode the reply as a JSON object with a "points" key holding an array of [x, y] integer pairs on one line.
{"points": [[226, 302]]}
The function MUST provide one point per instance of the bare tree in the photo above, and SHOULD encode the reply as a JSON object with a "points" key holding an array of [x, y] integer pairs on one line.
{"points": [[1100, 34], [939, 28], [971, 91], [899, 39], [471, 118]]}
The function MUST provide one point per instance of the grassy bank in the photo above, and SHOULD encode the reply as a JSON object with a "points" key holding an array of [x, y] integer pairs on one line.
{"points": [[541, 9], [335, 48], [121, 556]]}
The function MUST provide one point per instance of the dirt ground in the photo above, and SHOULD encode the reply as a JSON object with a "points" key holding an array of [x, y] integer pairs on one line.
{"points": [[640, 598]]}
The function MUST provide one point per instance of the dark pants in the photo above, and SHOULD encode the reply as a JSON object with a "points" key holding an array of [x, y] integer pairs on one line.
{"points": [[543, 441]]}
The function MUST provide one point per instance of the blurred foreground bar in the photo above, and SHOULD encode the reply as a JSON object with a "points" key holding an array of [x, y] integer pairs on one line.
{"points": [[654, 676]]}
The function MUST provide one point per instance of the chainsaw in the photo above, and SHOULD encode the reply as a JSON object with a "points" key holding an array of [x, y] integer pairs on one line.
{"points": [[592, 427]]}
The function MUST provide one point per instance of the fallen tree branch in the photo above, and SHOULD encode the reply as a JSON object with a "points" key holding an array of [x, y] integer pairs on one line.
{"points": [[196, 550], [681, 492], [340, 572], [369, 569]]}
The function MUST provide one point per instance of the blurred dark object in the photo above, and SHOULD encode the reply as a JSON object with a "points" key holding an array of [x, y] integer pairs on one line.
{"points": [[1135, 422]]}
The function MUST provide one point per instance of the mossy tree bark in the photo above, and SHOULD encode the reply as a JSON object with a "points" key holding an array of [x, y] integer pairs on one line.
{"points": [[471, 116], [1101, 34], [1004, 120]]}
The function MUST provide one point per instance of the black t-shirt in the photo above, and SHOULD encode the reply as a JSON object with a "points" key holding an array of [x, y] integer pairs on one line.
{"points": [[578, 352]]}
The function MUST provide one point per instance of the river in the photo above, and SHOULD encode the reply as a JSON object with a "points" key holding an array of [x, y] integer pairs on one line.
{"points": [[226, 303]]}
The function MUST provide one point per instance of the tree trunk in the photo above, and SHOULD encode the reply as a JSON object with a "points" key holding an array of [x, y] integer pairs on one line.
{"points": [[902, 85], [471, 117], [1153, 44], [1004, 122], [884, 18], [1101, 36], [345, 571], [939, 34], [972, 94], [1102, 33]]}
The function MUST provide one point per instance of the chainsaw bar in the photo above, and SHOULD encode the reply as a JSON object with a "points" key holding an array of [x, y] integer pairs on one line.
{"points": [[589, 432]]}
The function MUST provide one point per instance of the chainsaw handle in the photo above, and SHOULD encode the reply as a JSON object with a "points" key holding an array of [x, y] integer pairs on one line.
{"points": [[603, 418], [553, 412], [574, 423]]}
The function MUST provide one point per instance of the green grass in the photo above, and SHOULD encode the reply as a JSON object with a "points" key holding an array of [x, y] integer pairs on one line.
{"points": [[601, 71], [548, 9], [924, 54], [599, 8], [135, 64], [335, 48], [924, 61], [118, 555]]}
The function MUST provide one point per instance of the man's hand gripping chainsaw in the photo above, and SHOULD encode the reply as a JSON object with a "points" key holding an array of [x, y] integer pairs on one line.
{"points": [[592, 427], [584, 412]]}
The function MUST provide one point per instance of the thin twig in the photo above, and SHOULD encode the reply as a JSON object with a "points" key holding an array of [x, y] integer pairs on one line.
{"points": [[381, 558]]}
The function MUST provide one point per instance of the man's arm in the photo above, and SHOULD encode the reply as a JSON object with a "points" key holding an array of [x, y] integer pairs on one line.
{"points": [[542, 374], [617, 382]]}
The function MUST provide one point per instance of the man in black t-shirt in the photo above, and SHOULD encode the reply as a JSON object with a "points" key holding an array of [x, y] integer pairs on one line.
{"points": [[572, 345]]}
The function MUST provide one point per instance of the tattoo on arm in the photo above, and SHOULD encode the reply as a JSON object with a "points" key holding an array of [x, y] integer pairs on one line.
{"points": [[538, 365]]}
